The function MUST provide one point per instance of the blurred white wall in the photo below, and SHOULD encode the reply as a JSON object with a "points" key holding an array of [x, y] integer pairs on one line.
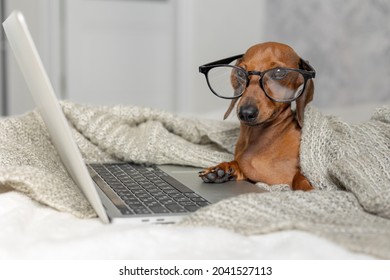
{"points": [[43, 17], [347, 42], [89, 50], [142, 52], [212, 30]]}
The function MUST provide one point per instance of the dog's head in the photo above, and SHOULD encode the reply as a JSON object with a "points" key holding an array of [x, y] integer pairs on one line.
{"points": [[261, 100]]}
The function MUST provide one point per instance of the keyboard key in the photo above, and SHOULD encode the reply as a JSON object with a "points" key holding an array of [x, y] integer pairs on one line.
{"points": [[170, 192], [181, 199], [177, 195], [151, 203], [135, 204], [153, 189], [192, 195], [144, 195], [142, 211], [158, 209], [139, 192], [131, 185], [192, 208], [167, 201], [148, 199], [175, 208], [131, 201], [163, 198], [198, 199], [186, 203], [203, 203], [126, 211], [157, 193]]}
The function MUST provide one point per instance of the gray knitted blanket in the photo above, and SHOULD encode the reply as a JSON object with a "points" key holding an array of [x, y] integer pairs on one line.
{"points": [[348, 165]]}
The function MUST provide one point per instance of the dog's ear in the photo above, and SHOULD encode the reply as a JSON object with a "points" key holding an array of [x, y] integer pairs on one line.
{"points": [[306, 96], [234, 101], [229, 110]]}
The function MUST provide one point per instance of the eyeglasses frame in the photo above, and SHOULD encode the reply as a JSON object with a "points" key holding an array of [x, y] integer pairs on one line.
{"points": [[307, 75]]}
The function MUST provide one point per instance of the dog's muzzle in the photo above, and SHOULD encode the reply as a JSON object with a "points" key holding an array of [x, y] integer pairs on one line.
{"points": [[248, 113]]}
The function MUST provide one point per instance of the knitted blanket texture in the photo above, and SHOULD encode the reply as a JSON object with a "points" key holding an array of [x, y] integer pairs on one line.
{"points": [[349, 165]]}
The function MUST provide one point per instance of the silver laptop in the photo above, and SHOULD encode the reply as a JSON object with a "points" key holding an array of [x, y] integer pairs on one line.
{"points": [[122, 191]]}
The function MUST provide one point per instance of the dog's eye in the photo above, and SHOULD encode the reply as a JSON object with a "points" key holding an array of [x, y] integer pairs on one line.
{"points": [[241, 75], [238, 81], [278, 74]]}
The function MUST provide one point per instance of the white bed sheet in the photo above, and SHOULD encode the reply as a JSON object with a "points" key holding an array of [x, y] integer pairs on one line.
{"points": [[29, 230]]}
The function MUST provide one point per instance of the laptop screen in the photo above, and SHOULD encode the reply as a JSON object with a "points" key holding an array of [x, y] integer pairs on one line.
{"points": [[44, 96]]}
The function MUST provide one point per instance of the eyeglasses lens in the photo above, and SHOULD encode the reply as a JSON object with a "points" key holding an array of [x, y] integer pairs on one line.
{"points": [[227, 81], [283, 84]]}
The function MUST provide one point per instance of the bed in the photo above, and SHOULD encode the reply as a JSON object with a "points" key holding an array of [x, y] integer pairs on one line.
{"points": [[35, 227]]}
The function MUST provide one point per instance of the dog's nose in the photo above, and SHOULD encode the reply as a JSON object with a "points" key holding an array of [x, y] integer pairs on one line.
{"points": [[248, 113]]}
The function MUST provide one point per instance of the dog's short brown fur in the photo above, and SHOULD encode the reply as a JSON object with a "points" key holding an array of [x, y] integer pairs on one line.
{"points": [[267, 149]]}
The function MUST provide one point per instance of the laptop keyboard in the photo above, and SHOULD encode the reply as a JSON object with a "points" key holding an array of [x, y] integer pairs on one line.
{"points": [[145, 190]]}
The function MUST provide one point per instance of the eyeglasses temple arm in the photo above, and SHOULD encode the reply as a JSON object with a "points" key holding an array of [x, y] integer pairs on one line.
{"points": [[221, 61]]}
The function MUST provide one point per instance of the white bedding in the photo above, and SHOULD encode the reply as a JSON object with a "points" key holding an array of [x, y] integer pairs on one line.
{"points": [[32, 231]]}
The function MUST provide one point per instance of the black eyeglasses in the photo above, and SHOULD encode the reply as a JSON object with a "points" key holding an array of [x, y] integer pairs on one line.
{"points": [[226, 80]]}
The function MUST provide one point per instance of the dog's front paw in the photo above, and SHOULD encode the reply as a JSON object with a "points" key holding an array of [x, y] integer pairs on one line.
{"points": [[221, 173], [215, 175]]}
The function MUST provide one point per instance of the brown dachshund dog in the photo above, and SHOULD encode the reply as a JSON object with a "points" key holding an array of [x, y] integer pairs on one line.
{"points": [[267, 149]]}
